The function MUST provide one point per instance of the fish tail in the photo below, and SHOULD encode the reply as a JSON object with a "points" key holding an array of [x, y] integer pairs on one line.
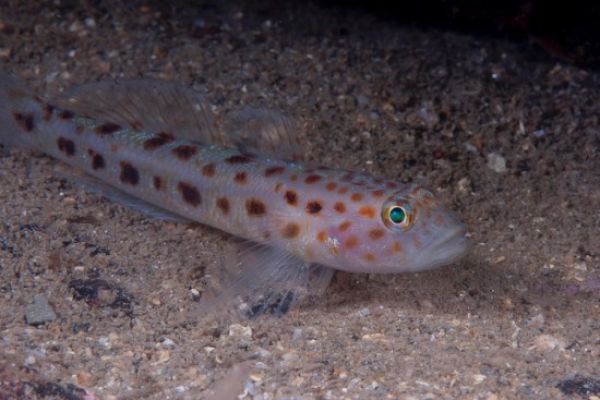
{"points": [[19, 112]]}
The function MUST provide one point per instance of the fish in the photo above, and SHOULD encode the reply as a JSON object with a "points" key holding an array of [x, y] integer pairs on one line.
{"points": [[242, 172]]}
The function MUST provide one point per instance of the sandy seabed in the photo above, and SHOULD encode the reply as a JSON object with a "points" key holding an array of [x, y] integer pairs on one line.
{"points": [[507, 136]]}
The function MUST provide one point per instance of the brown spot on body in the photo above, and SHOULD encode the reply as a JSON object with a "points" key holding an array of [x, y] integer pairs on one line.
{"points": [[331, 186], [255, 207], [158, 183], [79, 129], [107, 128], [241, 178], [25, 121], [367, 212], [185, 151], [290, 231], [314, 207], [274, 171], [48, 111], [351, 242], [376, 234], [65, 145], [189, 193], [378, 193], [356, 197], [322, 236], [312, 179], [339, 207], [129, 174], [344, 226], [208, 170], [439, 220], [238, 159], [66, 114], [291, 197], [97, 160], [136, 125], [160, 139], [223, 204], [343, 190], [370, 257]]}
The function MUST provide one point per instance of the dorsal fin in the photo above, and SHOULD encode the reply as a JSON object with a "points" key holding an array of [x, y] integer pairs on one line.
{"points": [[161, 106], [146, 105], [264, 131]]}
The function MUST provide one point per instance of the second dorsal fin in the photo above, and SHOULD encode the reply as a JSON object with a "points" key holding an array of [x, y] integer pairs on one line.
{"points": [[146, 105], [265, 131]]}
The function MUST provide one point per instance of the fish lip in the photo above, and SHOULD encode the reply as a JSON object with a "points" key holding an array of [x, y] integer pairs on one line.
{"points": [[450, 248]]}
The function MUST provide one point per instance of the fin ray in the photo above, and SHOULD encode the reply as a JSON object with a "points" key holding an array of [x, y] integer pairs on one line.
{"points": [[267, 279], [265, 131], [145, 105]]}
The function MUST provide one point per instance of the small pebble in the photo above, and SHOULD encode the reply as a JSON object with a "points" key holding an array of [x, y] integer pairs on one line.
{"points": [[496, 163], [297, 334], [39, 311]]}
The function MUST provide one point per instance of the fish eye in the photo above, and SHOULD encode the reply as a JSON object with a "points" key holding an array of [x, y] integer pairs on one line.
{"points": [[398, 216]]}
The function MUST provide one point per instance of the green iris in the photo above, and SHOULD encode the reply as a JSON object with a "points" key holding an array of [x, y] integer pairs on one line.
{"points": [[397, 215]]}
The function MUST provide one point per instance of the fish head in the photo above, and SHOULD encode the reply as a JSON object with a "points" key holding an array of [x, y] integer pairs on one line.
{"points": [[407, 230]]}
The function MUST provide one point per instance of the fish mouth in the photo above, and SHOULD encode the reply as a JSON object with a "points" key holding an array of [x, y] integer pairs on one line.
{"points": [[446, 250]]}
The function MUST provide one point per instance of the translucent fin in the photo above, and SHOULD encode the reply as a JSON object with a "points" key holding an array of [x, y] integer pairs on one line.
{"points": [[266, 132], [15, 97], [267, 279], [146, 105]]}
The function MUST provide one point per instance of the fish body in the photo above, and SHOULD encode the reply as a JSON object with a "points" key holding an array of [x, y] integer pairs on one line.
{"points": [[306, 214]]}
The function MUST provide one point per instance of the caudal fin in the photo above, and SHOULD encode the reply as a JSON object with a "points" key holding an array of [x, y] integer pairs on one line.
{"points": [[17, 111]]}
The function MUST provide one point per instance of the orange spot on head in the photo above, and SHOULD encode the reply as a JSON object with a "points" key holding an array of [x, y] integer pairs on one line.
{"points": [[343, 190], [291, 230], [339, 207], [351, 242], [322, 236], [378, 193], [397, 247], [331, 186], [367, 212], [370, 257], [344, 226], [376, 233], [417, 243], [356, 197]]}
